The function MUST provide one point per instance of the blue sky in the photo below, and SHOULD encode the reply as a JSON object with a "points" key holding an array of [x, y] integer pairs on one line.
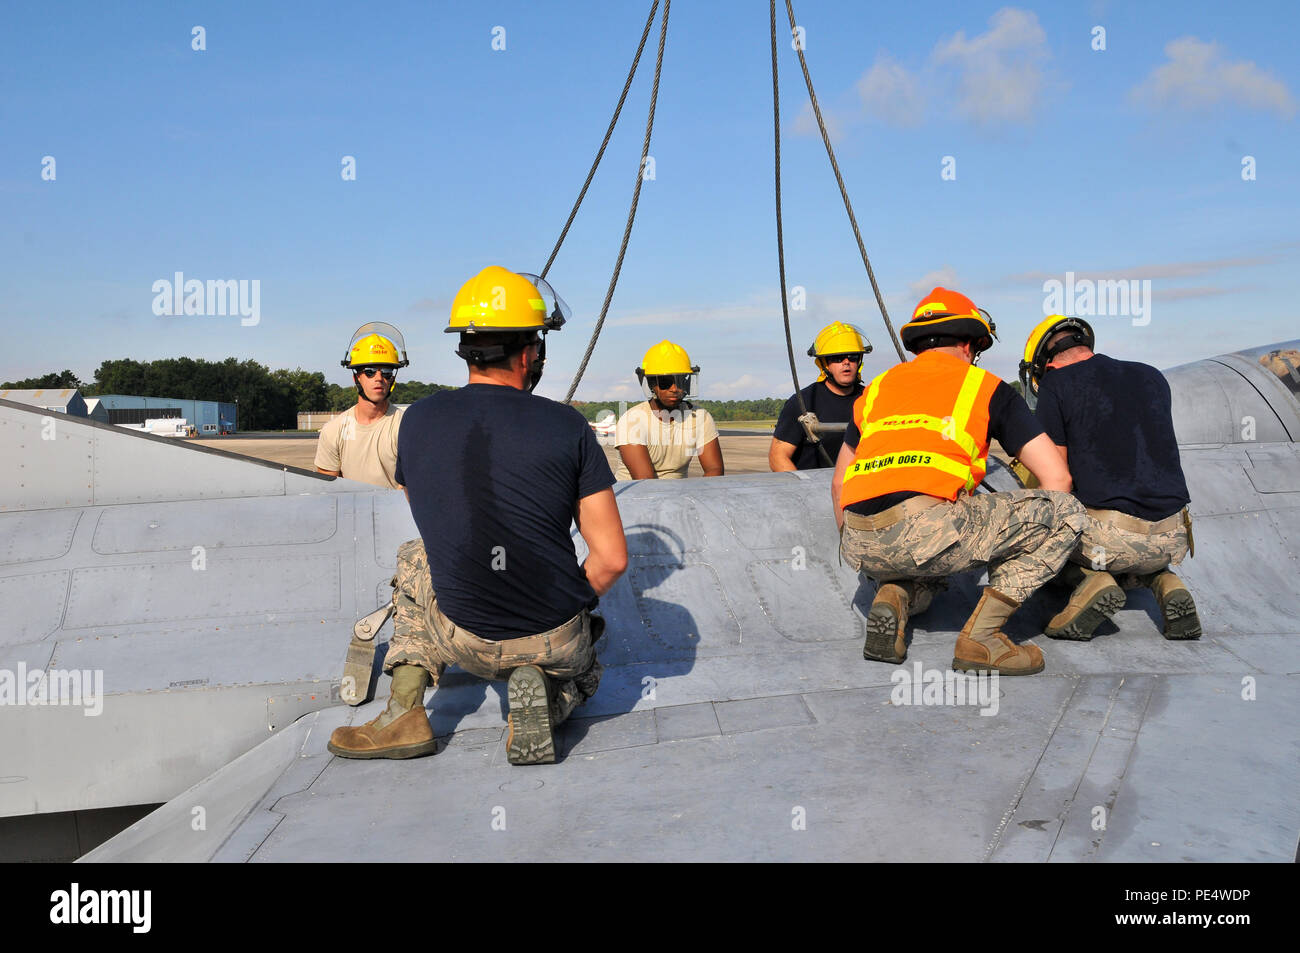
{"points": [[1124, 163]]}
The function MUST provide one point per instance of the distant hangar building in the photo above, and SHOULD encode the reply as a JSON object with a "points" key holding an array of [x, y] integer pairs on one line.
{"points": [[205, 416], [59, 399]]}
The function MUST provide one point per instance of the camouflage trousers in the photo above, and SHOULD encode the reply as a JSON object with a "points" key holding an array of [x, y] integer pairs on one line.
{"points": [[1126, 553], [1024, 538], [424, 636]]}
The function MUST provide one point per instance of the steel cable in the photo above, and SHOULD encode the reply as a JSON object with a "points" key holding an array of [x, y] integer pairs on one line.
{"points": [[631, 214], [780, 240], [848, 206], [654, 7]]}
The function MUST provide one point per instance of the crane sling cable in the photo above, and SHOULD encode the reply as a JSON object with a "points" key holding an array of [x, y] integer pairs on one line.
{"points": [[631, 212], [848, 206], [780, 240], [654, 7]]}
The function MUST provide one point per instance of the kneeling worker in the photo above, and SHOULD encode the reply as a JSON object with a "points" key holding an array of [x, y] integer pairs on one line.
{"points": [[904, 484], [657, 438], [361, 443], [1112, 422], [495, 476], [839, 350]]}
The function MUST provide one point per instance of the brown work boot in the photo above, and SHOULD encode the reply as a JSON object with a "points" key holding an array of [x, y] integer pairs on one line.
{"points": [[1176, 605], [402, 730], [981, 646], [1095, 599], [887, 623]]}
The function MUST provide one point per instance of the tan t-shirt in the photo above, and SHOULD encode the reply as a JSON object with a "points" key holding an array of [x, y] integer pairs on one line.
{"points": [[671, 438], [367, 453]]}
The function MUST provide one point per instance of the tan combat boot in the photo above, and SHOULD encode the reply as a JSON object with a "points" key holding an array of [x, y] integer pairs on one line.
{"points": [[1176, 605], [1095, 599], [531, 723], [887, 623], [981, 646], [402, 730]]}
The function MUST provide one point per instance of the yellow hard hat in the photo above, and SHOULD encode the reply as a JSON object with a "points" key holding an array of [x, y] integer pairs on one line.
{"points": [[1037, 353], [666, 358], [376, 343], [839, 338], [497, 299], [372, 349]]}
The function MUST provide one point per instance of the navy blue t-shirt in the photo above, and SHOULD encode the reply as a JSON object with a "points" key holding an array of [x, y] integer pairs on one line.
{"points": [[1115, 420], [1011, 424], [829, 408], [494, 475]]}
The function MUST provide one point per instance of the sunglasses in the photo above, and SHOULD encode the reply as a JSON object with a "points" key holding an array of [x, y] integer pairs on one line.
{"points": [[369, 372], [669, 381], [840, 358]]}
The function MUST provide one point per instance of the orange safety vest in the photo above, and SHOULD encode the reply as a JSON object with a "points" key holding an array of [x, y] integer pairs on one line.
{"points": [[924, 428]]}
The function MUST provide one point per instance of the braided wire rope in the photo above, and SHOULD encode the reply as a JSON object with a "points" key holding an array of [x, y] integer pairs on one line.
{"points": [[631, 213]]}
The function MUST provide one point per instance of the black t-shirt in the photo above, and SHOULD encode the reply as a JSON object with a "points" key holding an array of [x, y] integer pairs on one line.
{"points": [[1011, 423], [829, 407], [1115, 420], [494, 474]]}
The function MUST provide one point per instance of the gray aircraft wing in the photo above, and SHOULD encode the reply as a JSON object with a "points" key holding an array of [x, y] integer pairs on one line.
{"points": [[736, 719]]}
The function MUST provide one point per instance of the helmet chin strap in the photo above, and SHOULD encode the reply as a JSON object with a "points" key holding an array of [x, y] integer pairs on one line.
{"points": [[535, 372]]}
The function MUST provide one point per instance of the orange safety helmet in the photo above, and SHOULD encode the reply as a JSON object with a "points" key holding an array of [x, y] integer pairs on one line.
{"points": [[944, 313]]}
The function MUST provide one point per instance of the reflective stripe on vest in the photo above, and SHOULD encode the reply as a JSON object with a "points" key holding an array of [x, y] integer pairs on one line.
{"points": [[898, 441]]}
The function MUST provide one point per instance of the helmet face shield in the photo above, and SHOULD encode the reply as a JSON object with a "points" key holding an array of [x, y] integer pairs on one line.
{"points": [[383, 330], [557, 310], [652, 385]]}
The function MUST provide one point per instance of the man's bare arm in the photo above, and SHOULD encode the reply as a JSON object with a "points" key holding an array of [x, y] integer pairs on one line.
{"points": [[637, 460], [1046, 462], [842, 462], [711, 458], [780, 456], [601, 526], [332, 473]]}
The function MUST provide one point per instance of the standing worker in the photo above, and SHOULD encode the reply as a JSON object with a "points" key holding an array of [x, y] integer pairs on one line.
{"points": [[495, 476], [361, 443], [904, 482], [1112, 422], [657, 438], [838, 350]]}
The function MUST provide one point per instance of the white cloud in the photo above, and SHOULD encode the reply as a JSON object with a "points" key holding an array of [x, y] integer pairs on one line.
{"points": [[1000, 75], [891, 93], [805, 123], [945, 277], [1197, 76], [741, 387]]}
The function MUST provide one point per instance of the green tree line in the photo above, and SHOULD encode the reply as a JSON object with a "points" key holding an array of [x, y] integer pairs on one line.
{"points": [[268, 399], [272, 399], [761, 409]]}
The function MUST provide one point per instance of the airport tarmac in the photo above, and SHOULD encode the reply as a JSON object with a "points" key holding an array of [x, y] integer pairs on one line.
{"points": [[739, 454]]}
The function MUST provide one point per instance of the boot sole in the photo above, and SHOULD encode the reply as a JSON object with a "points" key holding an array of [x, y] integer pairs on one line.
{"points": [[962, 665], [1181, 620], [1102, 606], [882, 634], [532, 736], [397, 753]]}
